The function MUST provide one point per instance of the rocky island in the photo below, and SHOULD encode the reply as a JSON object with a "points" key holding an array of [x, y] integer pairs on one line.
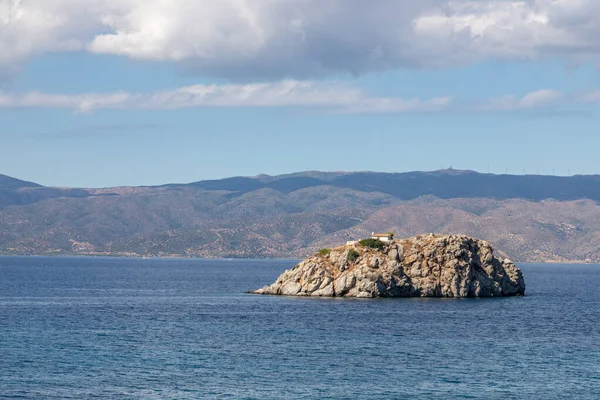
{"points": [[421, 266]]}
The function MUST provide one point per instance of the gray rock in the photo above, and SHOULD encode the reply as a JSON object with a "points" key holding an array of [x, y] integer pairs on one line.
{"points": [[425, 266], [393, 255], [343, 284], [327, 291], [290, 289]]}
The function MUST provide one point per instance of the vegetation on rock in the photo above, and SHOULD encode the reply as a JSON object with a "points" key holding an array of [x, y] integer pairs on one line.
{"points": [[372, 243], [353, 255]]}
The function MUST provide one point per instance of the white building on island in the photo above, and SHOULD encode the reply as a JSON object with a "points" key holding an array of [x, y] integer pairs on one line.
{"points": [[384, 237]]}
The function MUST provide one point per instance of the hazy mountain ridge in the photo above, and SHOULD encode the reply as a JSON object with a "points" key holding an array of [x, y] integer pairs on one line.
{"points": [[296, 214], [445, 184]]}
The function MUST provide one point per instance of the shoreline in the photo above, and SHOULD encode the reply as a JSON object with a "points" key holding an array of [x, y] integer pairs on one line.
{"points": [[170, 257], [183, 257]]}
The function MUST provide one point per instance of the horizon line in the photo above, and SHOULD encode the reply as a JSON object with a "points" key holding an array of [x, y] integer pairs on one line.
{"points": [[449, 170]]}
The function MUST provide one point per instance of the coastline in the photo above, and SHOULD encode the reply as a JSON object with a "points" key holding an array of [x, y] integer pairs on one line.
{"points": [[227, 257]]}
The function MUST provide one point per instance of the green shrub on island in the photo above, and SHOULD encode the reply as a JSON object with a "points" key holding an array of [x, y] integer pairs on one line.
{"points": [[372, 243], [353, 255], [324, 252]]}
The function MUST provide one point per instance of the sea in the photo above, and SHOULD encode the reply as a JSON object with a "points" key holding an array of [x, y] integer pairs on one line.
{"points": [[115, 328]]}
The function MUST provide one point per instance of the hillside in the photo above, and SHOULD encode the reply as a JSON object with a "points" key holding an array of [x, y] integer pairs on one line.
{"points": [[445, 184], [531, 218]]}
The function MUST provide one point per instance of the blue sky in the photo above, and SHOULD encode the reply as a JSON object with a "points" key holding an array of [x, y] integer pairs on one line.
{"points": [[120, 93]]}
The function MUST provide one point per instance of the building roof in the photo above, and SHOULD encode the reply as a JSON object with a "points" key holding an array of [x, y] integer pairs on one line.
{"points": [[380, 235]]}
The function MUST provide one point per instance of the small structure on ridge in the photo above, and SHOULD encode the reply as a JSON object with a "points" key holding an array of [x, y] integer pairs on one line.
{"points": [[384, 237]]}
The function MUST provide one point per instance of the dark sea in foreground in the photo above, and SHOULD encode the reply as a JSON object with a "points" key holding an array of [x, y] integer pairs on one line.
{"points": [[83, 328]]}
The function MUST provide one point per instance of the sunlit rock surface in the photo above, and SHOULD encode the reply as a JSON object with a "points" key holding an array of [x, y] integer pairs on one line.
{"points": [[422, 266]]}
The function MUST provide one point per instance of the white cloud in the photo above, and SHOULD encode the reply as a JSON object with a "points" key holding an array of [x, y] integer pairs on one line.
{"points": [[270, 39], [591, 97], [466, 31], [324, 97], [32, 27], [533, 100], [335, 98]]}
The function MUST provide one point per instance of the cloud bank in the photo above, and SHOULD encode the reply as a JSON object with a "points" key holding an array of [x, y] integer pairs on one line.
{"points": [[327, 97], [274, 39], [313, 95]]}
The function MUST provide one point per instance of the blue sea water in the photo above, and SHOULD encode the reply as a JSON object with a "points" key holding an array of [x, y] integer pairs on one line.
{"points": [[109, 328]]}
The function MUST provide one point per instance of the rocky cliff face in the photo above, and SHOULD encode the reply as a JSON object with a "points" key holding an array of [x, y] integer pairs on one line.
{"points": [[422, 266]]}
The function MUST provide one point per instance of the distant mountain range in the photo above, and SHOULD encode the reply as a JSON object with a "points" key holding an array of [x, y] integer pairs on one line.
{"points": [[529, 217]]}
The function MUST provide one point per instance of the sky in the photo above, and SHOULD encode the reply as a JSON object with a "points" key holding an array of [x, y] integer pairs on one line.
{"points": [[98, 93]]}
